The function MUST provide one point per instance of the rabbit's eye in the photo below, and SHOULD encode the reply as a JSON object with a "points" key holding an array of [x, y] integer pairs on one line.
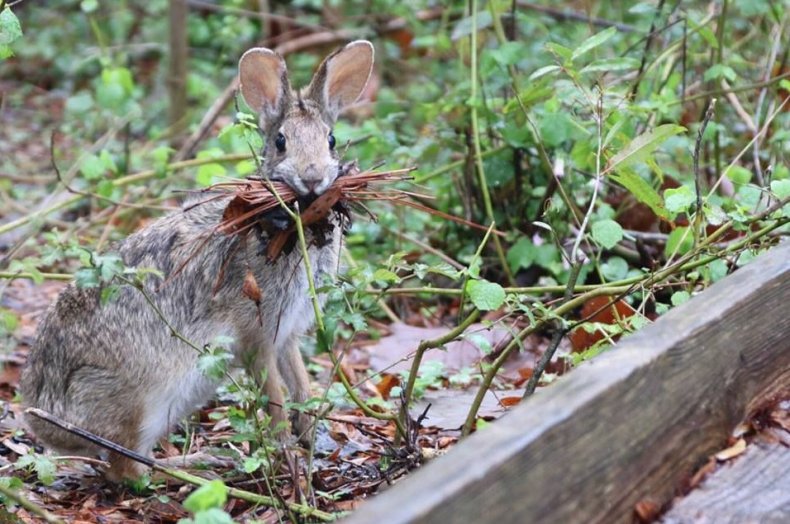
{"points": [[331, 140], [279, 142]]}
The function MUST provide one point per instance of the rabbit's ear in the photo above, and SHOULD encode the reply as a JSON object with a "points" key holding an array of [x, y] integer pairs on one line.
{"points": [[342, 77], [264, 82]]}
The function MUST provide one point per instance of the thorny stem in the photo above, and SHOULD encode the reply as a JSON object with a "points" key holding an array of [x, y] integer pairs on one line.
{"points": [[424, 346], [684, 264], [476, 142]]}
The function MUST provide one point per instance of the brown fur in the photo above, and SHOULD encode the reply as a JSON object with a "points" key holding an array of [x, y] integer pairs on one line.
{"points": [[115, 370]]}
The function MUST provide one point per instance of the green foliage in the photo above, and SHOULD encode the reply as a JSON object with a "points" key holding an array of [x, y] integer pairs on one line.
{"points": [[216, 358], [10, 32], [679, 200], [206, 504], [607, 233], [560, 103], [485, 295], [43, 467]]}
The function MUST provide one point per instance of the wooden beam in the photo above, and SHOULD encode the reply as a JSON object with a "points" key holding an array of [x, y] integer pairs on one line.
{"points": [[754, 487], [630, 426]]}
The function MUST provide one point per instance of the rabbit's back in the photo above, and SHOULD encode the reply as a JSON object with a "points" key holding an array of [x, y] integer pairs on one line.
{"points": [[118, 367]]}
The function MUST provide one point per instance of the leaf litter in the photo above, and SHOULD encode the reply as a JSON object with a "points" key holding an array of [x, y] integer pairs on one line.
{"points": [[354, 455]]}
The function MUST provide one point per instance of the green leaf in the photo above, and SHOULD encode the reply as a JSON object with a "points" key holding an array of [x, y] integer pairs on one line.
{"points": [[92, 167], [642, 146], [611, 64], [10, 30], [710, 37], [89, 6], [207, 172], [385, 275], [509, 53], [680, 297], [679, 242], [41, 464], [679, 199], [543, 71], [739, 175], [213, 494], [105, 188], [720, 71], [615, 268], [559, 50], [643, 191], [214, 362], [212, 516], [593, 42], [485, 295], [780, 188], [521, 255], [607, 233]]}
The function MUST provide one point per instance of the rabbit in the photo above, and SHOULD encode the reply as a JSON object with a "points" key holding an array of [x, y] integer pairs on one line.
{"points": [[116, 370]]}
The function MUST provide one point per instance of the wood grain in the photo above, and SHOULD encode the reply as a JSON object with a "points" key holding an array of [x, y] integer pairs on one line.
{"points": [[632, 425], [755, 487]]}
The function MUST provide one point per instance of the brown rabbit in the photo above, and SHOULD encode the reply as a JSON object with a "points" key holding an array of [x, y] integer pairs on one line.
{"points": [[115, 369]]}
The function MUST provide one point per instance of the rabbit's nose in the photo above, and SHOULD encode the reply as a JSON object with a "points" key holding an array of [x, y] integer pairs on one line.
{"points": [[312, 185]]}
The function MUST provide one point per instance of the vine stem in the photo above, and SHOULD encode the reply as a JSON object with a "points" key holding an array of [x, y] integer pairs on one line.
{"points": [[319, 320], [248, 496], [477, 148], [684, 264], [19, 499], [424, 346]]}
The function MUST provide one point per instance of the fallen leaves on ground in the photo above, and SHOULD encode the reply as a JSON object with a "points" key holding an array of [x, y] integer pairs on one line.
{"points": [[354, 453]]}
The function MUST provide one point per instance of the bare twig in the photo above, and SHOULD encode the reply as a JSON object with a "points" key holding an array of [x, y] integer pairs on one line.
{"points": [[648, 41], [698, 214], [29, 505], [174, 473], [424, 346], [556, 338]]}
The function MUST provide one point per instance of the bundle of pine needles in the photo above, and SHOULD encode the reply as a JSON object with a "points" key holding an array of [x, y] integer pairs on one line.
{"points": [[258, 202]]}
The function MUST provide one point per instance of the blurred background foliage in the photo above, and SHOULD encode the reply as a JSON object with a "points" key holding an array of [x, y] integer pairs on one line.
{"points": [[96, 74]]}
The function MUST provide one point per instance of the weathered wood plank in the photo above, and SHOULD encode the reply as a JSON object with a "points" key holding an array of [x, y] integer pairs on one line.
{"points": [[755, 487], [630, 425]]}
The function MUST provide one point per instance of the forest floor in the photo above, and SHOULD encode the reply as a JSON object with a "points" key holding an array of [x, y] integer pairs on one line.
{"points": [[354, 455]]}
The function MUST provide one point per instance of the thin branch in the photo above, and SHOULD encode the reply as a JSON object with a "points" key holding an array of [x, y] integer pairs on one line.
{"points": [[686, 263], [477, 148], [174, 473], [698, 214], [120, 182], [29, 505], [424, 346], [561, 331]]}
